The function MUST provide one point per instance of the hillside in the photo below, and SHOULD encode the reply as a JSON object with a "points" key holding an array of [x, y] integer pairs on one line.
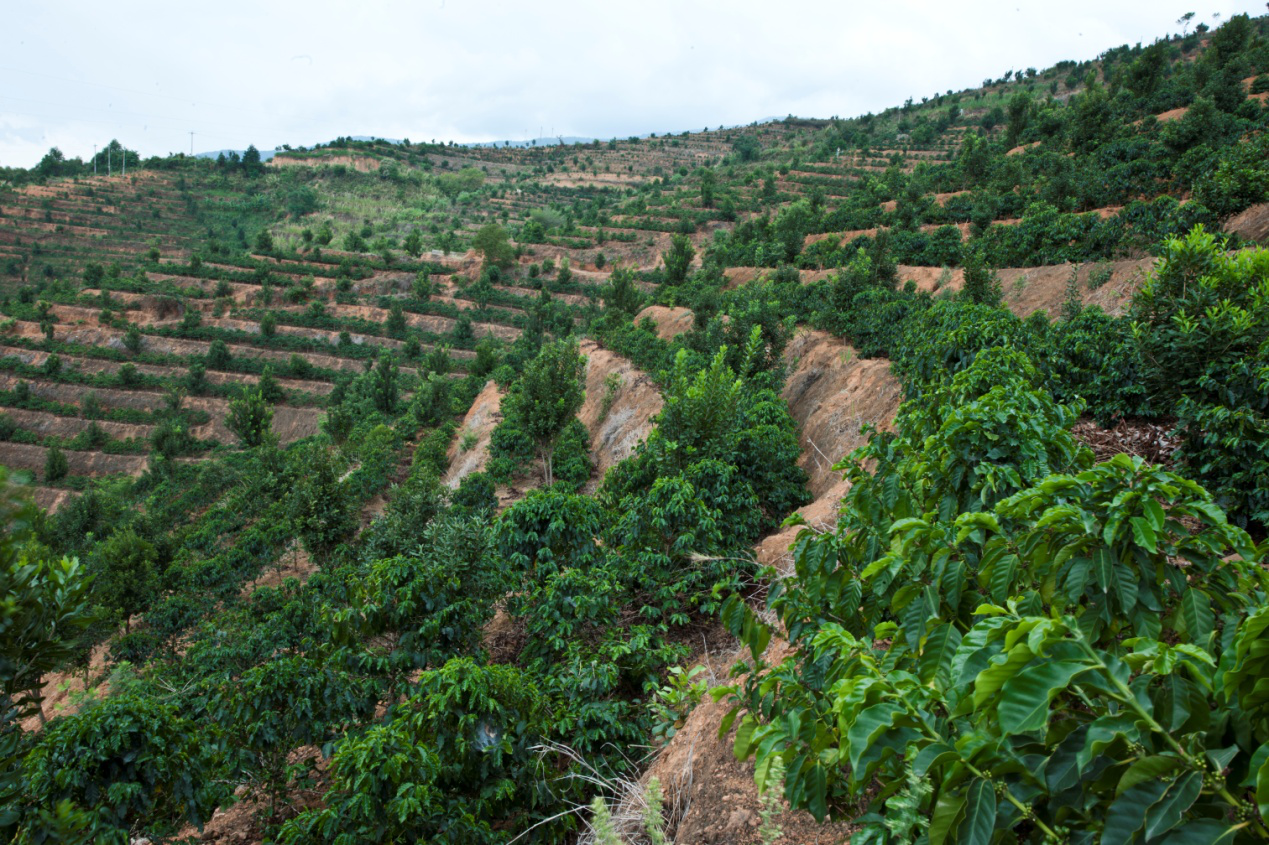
{"points": [[393, 492]]}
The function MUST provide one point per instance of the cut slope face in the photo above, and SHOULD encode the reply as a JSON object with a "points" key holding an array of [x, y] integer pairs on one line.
{"points": [[1252, 224], [481, 419], [1030, 289], [832, 393], [670, 322], [621, 401]]}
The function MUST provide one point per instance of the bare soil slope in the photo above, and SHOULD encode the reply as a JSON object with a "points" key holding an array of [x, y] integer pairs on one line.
{"points": [[1252, 223], [615, 431], [670, 322], [1031, 289], [482, 418]]}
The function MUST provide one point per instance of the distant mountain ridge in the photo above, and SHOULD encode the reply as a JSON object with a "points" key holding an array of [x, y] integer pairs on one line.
{"points": [[544, 141]]}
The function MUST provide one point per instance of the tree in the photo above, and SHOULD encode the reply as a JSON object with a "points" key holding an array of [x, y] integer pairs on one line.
{"points": [[493, 245], [321, 510], [423, 287], [708, 182], [170, 439], [252, 165], [622, 294], [94, 273], [126, 573], [268, 324], [196, 378], [43, 608], [264, 242], [395, 325], [791, 226], [55, 465], [53, 164], [250, 418], [354, 242], [413, 244], [982, 286], [433, 404], [678, 260], [383, 384], [747, 147], [547, 396], [218, 356], [132, 339], [269, 387], [1019, 115]]}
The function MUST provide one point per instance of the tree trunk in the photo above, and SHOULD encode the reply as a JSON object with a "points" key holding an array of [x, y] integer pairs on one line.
{"points": [[39, 701]]}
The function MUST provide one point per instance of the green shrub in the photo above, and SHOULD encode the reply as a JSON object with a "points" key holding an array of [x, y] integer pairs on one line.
{"points": [[1202, 324], [56, 467], [434, 599], [133, 760], [946, 636], [277, 706]]}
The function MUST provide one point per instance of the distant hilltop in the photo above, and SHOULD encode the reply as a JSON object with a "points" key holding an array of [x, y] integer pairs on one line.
{"points": [[545, 141], [265, 155]]}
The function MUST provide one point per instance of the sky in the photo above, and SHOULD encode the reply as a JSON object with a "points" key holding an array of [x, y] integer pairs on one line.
{"points": [[270, 73]]}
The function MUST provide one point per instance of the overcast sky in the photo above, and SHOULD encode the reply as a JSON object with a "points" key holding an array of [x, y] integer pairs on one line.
{"points": [[271, 73]]}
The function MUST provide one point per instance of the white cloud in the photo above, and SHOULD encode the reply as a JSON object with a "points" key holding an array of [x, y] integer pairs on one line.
{"points": [[272, 73]]}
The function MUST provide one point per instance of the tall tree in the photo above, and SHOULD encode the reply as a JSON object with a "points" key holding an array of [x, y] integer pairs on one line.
{"points": [[321, 509], [127, 574], [383, 384], [708, 181], [250, 417], [679, 259], [547, 396], [252, 165], [493, 245], [43, 608]]}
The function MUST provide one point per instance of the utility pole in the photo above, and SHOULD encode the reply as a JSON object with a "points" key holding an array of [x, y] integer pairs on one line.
{"points": [[109, 166], [124, 153], [94, 159], [191, 143]]}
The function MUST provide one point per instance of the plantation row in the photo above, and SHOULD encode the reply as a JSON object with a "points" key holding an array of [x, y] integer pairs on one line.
{"points": [[404, 525]]}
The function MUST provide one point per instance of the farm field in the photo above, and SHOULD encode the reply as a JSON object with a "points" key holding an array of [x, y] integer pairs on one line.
{"points": [[901, 478]]}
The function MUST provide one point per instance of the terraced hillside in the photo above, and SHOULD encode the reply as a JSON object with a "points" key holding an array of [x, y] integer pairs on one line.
{"points": [[422, 487]]}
